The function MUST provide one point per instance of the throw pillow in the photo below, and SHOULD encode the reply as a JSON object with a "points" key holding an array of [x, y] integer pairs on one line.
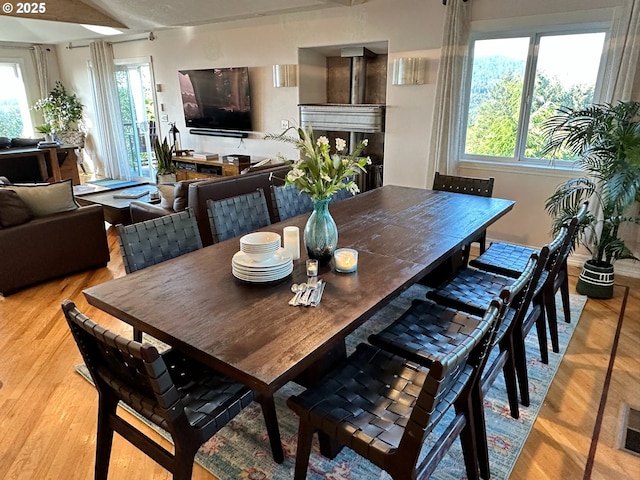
{"points": [[47, 199], [167, 195], [13, 210]]}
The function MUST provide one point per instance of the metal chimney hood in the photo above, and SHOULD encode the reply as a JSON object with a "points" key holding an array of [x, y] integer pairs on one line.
{"points": [[354, 117], [343, 117]]}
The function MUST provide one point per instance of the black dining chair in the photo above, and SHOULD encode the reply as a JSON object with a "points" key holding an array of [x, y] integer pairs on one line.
{"points": [[290, 201], [235, 216], [482, 187], [384, 407], [413, 331], [471, 290], [171, 390], [509, 259], [154, 241]]}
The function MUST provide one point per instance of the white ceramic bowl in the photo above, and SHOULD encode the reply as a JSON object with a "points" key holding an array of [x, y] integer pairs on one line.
{"points": [[260, 246]]}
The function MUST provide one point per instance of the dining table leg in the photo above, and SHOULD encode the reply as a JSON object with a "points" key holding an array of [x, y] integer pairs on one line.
{"points": [[271, 420]]}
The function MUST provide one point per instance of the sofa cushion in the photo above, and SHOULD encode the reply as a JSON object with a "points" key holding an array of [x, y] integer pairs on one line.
{"points": [[181, 201], [47, 199], [167, 195], [25, 142], [13, 210]]}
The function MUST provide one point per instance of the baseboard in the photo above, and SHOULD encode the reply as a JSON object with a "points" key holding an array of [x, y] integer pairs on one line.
{"points": [[626, 268]]}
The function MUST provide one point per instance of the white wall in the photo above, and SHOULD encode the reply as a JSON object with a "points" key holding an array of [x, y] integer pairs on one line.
{"points": [[411, 28]]}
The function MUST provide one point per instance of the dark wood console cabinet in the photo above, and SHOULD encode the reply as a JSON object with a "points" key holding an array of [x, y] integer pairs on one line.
{"points": [[33, 165]]}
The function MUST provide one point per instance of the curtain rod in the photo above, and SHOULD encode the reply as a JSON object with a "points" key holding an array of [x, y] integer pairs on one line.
{"points": [[444, 2], [151, 37], [23, 47]]}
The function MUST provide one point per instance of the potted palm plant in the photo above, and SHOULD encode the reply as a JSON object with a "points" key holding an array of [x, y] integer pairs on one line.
{"points": [[165, 168], [605, 139]]}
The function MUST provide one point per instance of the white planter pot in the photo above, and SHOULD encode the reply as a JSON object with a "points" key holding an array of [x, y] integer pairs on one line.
{"points": [[166, 178]]}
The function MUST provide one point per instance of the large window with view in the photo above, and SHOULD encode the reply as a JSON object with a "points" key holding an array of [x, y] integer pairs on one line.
{"points": [[517, 82], [15, 118]]}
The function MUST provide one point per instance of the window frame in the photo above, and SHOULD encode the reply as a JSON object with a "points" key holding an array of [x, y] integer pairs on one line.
{"points": [[534, 33], [21, 65]]}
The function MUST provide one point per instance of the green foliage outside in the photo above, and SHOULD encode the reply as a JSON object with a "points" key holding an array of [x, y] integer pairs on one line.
{"points": [[494, 109], [11, 125]]}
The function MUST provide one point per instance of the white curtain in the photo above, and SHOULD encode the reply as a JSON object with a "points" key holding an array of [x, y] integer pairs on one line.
{"points": [[109, 136], [622, 73], [444, 146], [624, 55], [40, 53]]}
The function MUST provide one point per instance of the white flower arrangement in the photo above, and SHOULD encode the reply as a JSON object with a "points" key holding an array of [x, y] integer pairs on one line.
{"points": [[318, 172]]}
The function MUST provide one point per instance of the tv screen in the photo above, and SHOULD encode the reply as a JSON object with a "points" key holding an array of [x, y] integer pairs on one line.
{"points": [[216, 98]]}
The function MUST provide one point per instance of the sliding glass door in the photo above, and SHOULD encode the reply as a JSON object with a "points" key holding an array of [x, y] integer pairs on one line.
{"points": [[134, 81]]}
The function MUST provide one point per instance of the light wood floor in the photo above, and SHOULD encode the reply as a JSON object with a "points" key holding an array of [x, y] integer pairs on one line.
{"points": [[47, 411]]}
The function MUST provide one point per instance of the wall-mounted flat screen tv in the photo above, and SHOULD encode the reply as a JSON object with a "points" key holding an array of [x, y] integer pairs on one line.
{"points": [[216, 98]]}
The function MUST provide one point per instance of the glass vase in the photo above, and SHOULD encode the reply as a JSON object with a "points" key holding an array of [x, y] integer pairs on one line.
{"points": [[321, 232]]}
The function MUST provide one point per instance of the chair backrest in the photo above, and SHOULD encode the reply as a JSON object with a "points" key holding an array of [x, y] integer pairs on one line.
{"points": [[481, 187], [290, 201], [343, 193], [153, 241], [519, 294], [451, 372], [130, 371], [563, 243], [234, 216]]}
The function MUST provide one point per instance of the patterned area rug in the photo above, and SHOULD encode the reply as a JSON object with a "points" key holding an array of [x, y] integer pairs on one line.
{"points": [[241, 449]]}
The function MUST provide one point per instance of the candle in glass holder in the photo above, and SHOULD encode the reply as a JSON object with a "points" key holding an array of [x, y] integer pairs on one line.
{"points": [[346, 260], [312, 272], [291, 241], [312, 268]]}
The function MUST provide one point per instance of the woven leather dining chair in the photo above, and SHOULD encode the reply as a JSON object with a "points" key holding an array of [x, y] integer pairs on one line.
{"points": [[383, 407], [235, 216], [290, 201], [182, 396], [481, 187], [409, 335], [154, 241], [509, 259], [472, 289]]}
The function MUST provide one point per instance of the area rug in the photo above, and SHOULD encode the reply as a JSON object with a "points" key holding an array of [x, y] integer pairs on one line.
{"points": [[112, 184], [241, 449]]}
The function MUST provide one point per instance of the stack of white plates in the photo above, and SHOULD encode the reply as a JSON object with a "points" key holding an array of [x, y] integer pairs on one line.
{"points": [[260, 246], [274, 268]]}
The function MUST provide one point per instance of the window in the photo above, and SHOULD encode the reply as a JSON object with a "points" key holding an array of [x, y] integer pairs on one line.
{"points": [[15, 117], [518, 82]]}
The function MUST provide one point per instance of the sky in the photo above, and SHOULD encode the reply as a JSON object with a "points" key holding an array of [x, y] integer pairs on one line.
{"points": [[573, 59]]}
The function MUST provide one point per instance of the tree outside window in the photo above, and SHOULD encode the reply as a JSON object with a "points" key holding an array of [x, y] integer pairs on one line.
{"points": [[15, 118], [518, 82]]}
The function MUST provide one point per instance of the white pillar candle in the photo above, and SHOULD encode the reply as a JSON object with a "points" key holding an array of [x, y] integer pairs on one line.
{"points": [[291, 240], [346, 260]]}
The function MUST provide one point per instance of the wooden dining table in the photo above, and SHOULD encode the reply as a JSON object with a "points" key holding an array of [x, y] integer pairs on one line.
{"points": [[250, 332]]}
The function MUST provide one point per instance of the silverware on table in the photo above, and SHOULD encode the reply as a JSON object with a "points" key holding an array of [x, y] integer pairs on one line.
{"points": [[307, 295]]}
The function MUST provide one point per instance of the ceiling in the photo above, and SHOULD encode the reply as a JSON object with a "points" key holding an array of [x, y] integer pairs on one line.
{"points": [[60, 23]]}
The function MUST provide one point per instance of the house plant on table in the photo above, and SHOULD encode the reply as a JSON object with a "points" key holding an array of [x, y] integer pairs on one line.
{"points": [[606, 140], [165, 168], [320, 174], [63, 113], [45, 129]]}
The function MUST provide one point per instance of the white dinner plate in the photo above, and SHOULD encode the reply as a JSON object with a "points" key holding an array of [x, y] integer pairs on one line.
{"points": [[281, 257]]}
